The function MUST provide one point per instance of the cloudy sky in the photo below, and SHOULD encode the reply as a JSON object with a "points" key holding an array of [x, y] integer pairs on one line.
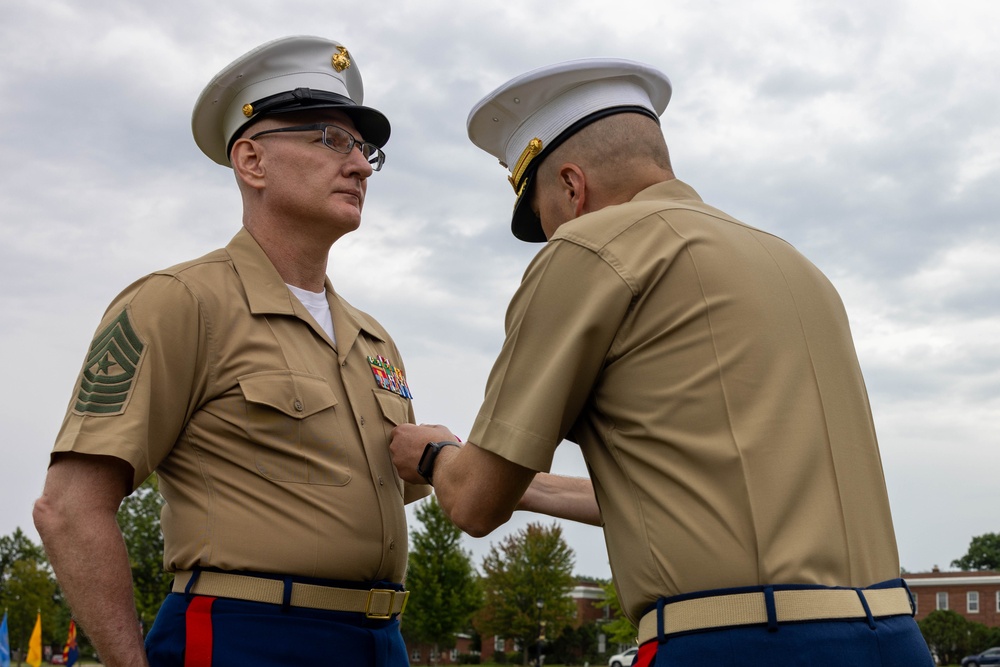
{"points": [[865, 133]]}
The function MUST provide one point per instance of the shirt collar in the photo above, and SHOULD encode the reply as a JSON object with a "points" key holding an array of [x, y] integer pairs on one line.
{"points": [[672, 189], [267, 294]]}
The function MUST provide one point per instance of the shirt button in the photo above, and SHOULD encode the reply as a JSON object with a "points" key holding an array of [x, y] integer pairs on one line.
{"points": [[362, 420], [380, 481], [298, 405]]}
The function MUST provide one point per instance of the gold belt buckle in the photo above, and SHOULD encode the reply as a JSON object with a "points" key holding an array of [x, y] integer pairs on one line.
{"points": [[392, 603]]}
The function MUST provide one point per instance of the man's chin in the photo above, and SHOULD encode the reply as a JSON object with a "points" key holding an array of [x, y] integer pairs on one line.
{"points": [[350, 223]]}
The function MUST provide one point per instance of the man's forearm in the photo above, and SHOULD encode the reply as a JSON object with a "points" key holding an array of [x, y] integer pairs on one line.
{"points": [[563, 497], [93, 571], [479, 490], [75, 518]]}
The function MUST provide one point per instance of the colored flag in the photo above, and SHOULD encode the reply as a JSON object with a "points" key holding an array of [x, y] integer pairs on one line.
{"points": [[4, 643], [35, 645], [70, 652]]}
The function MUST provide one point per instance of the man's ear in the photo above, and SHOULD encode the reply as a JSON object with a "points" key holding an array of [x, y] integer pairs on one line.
{"points": [[573, 183], [247, 158]]}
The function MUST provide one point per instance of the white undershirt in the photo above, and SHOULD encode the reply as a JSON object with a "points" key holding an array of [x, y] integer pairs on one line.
{"points": [[318, 307]]}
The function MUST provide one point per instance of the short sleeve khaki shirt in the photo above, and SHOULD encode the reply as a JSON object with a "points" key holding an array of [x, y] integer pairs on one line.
{"points": [[708, 373], [270, 441]]}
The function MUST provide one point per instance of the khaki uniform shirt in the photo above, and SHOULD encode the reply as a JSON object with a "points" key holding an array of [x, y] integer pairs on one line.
{"points": [[270, 442], [708, 373]]}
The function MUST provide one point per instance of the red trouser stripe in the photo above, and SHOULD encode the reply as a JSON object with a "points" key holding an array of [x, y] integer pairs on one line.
{"points": [[647, 654], [198, 624]]}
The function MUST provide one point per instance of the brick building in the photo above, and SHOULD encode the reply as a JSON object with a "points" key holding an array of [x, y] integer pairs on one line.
{"points": [[585, 594], [423, 654], [974, 595]]}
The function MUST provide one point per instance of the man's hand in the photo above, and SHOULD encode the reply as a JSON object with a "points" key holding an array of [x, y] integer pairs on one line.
{"points": [[407, 446]]}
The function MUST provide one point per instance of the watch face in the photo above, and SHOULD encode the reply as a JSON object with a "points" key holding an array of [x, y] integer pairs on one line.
{"points": [[426, 463], [425, 467]]}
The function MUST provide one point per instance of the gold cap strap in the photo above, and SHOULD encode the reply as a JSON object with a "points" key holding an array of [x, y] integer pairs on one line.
{"points": [[529, 153]]}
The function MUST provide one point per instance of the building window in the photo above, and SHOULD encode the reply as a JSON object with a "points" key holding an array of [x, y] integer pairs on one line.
{"points": [[942, 600], [498, 643], [913, 601], [454, 655], [415, 656], [998, 601], [972, 602]]}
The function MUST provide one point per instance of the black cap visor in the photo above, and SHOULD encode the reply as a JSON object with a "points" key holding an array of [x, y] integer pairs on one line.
{"points": [[524, 224], [371, 123]]}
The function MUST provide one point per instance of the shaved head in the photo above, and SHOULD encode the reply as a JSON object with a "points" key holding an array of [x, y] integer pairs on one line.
{"points": [[619, 153]]}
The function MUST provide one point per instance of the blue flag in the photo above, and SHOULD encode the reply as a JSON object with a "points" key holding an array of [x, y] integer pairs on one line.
{"points": [[4, 643]]}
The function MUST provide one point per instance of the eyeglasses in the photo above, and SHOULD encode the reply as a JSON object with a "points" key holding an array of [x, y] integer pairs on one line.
{"points": [[337, 139]]}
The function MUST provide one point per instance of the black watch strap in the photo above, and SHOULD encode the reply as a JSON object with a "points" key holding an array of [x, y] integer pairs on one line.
{"points": [[426, 464]]}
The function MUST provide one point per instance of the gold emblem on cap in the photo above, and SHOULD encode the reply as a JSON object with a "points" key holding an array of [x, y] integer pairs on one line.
{"points": [[341, 60], [530, 152], [247, 110]]}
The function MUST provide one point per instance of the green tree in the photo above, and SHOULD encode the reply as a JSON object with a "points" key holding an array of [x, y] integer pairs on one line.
{"points": [[574, 646], [982, 637], [139, 520], [619, 630], [14, 547], [526, 583], [983, 554], [443, 584], [31, 589], [28, 586], [947, 634], [951, 636]]}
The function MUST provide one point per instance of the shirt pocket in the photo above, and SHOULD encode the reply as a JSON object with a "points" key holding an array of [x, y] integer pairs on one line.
{"points": [[294, 425]]}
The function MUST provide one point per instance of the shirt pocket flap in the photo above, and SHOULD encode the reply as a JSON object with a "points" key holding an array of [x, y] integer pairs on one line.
{"points": [[394, 408], [297, 395]]}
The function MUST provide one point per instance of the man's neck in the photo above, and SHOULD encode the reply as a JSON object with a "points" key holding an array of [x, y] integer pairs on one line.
{"points": [[299, 262]]}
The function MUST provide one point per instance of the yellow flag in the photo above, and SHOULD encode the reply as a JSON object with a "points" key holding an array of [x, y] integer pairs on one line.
{"points": [[35, 645]]}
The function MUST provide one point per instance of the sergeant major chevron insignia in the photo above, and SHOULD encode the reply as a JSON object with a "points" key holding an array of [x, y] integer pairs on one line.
{"points": [[108, 373]]}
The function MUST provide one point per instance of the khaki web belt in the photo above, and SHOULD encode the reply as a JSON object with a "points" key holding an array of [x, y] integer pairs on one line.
{"points": [[377, 603], [790, 605]]}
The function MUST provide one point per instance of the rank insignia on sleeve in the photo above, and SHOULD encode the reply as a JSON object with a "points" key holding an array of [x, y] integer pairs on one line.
{"points": [[389, 377], [108, 373]]}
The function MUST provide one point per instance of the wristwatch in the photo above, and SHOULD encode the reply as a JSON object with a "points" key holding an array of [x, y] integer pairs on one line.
{"points": [[426, 464]]}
